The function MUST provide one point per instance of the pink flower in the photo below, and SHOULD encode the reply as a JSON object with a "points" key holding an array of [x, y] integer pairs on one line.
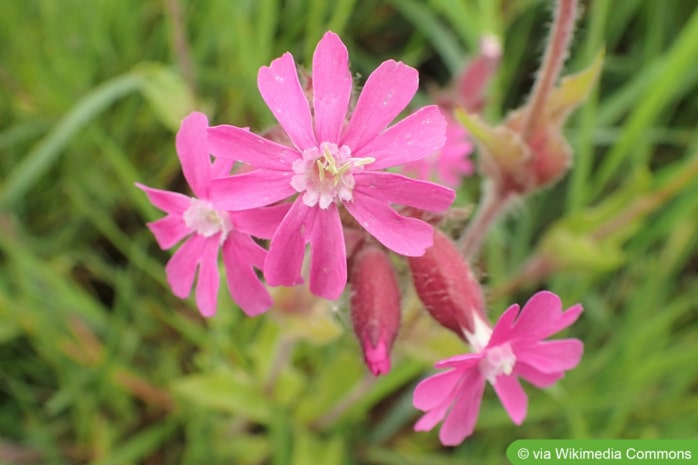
{"points": [[514, 348], [450, 164], [333, 164], [208, 230]]}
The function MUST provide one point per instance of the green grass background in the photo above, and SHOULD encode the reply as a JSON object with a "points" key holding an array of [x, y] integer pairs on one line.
{"points": [[100, 364]]}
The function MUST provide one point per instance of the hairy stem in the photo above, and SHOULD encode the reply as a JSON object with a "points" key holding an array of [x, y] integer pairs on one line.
{"points": [[282, 356], [536, 269], [180, 45], [492, 204], [357, 393], [555, 55]]}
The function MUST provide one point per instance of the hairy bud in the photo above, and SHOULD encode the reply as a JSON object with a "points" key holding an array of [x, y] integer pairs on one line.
{"points": [[447, 287], [375, 306]]}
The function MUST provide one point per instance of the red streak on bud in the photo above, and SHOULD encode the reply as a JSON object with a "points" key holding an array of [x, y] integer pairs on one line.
{"points": [[375, 306], [447, 287]]}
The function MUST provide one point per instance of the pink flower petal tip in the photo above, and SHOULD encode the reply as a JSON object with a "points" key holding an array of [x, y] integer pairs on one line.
{"points": [[377, 358]]}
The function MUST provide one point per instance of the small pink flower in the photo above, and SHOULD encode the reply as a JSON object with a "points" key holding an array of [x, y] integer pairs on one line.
{"points": [[208, 230], [333, 164], [450, 164], [514, 348]]}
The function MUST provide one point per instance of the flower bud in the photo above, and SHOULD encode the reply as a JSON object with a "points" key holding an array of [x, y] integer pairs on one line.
{"points": [[375, 306], [447, 287], [473, 80], [529, 151]]}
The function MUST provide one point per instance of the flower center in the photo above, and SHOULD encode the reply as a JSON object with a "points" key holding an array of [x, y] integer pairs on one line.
{"points": [[497, 360], [207, 221], [326, 173]]}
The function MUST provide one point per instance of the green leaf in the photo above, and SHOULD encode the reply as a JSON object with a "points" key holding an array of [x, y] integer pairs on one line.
{"points": [[225, 391], [573, 90], [503, 151], [46, 152], [167, 93], [310, 448], [574, 251]]}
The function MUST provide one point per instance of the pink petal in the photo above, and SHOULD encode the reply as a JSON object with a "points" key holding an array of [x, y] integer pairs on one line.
{"points": [[405, 236], [399, 189], [287, 248], [453, 162], [551, 356], [567, 318], [535, 377], [193, 153], [328, 261], [240, 254], [512, 396], [281, 90], [169, 230], [260, 222], [461, 362], [415, 137], [502, 330], [249, 251], [233, 143], [433, 416], [420, 169], [221, 167], [331, 87], [386, 93], [433, 391], [253, 189], [208, 280], [460, 422], [170, 202], [181, 268], [542, 316]]}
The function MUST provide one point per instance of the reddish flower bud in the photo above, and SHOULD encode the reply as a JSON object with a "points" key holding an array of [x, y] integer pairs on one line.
{"points": [[375, 306], [473, 80], [447, 287]]}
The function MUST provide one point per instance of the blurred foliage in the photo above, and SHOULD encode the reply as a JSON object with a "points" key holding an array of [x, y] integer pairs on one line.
{"points": [[100, 363]]}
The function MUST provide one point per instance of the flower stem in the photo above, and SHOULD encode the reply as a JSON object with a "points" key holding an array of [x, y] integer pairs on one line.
{"points": [[282, 355], [357, 393], [536, 269], [555, 55], [493, 203], [180, 45]]}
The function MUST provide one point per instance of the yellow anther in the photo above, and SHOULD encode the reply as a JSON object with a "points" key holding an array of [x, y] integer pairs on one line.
{"points": [[330, 162], [363, 161], [320, 170]]}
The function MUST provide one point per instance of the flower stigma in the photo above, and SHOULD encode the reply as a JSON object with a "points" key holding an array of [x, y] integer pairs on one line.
{"points": [[326, 174]]}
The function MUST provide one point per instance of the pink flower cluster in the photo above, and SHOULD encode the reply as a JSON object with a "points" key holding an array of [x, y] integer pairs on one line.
{"points": [[324, 184], [297, 194]]}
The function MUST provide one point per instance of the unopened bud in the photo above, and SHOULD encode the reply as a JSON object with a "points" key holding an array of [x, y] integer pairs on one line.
{"points": [[375, 306], [473, 80], [447, 287]]}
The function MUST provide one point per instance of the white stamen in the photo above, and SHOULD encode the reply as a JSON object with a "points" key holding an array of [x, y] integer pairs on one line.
{"points": [[498, 360], [326, 174], [202, 218], [480, 336]]}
